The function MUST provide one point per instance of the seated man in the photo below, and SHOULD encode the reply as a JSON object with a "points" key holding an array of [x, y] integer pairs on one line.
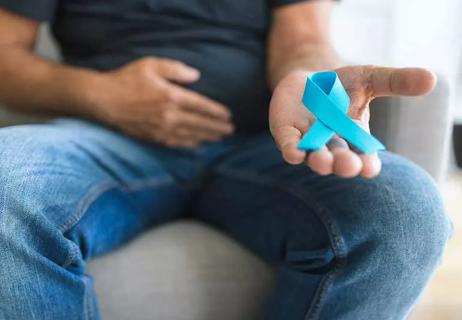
{"points": [[167, 105]]}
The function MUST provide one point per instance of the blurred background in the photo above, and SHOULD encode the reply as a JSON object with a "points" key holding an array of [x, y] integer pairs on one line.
{"points": [[424, 33], [428, 34]]}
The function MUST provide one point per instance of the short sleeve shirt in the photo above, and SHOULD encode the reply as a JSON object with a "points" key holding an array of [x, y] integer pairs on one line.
{"points": [[225, 39]]}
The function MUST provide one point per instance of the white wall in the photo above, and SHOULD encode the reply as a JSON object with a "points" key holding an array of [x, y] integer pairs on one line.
{"points": [[361, 30], [397, 32], [424, 33]]}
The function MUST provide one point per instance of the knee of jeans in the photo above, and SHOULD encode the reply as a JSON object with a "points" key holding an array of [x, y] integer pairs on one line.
{"points": [[27, 151], [31, 157], [24, 141], [34, 162], [400, 217]]}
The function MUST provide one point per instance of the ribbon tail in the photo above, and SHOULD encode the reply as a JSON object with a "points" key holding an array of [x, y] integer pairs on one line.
{"points": [[362, 140], [331, 116], [317, 137]]}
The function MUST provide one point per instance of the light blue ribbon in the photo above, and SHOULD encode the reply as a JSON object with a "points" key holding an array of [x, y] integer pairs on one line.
{"points": [[328, 101]]}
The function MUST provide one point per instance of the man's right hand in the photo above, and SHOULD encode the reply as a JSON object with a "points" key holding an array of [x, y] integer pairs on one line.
{"points": [[144, 100]]}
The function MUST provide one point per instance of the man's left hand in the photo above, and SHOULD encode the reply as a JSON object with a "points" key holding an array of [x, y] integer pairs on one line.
{"points": [[290, 120]]}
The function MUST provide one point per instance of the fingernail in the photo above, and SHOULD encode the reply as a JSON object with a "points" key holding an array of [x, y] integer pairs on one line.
{"points": [[228, 131], [193, 73]]}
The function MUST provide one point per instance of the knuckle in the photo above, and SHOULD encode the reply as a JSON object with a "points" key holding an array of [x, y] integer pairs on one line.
{"points": [[165, 92], [169, 119], [161, 65], [171, 95], [145, 73], [146, 67], [148, 62]]}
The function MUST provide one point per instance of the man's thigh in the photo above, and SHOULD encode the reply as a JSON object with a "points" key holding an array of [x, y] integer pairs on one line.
{"points": [[345, 248], [92, 184], [275, 208]]}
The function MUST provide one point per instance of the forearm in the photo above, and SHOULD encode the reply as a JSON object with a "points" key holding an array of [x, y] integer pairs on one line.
{"points": [[30, 83], [311, 57]]}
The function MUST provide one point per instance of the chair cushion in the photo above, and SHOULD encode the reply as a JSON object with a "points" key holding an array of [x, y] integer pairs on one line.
{"points": [[181, 271]]}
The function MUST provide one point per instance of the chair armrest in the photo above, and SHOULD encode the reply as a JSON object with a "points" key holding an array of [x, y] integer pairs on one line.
{"points": [[416, 127]]}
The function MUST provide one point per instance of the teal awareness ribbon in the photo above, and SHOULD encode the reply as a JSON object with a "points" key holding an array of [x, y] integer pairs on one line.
{"points": [[328, 101]]}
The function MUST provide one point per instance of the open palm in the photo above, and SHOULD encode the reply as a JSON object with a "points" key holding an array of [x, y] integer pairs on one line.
{"points": [[290, 120]]}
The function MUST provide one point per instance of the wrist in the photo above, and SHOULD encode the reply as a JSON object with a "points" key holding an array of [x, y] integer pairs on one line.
{"points": [[307, 58], [92, 95]]}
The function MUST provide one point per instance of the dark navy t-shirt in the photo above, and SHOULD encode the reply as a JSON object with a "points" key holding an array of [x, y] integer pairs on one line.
{"points": [[225, 39]]}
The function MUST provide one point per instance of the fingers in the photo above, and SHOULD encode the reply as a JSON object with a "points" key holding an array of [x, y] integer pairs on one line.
{"points": [[145, 132], [203, 125], [184, 138], [346, 163], [198, 135], [193, 137], [176, 71], [180, 142], [180, 72], [321, 161], [337, 158], [340, 160], [404, 81], [287, 139], [371, 165], [196, 102], [189, 136]]}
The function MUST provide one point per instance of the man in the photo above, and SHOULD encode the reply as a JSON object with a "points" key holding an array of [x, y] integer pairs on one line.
{"points": [[175, 95]]}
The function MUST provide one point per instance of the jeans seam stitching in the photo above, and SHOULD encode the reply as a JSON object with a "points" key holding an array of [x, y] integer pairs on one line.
{"points": [[335, 238], [72, 256], [94, 193], [89, 314], [339, 248]]}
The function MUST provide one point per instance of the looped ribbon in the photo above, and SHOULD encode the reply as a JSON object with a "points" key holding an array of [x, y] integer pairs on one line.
{"points": [[328, 101]]}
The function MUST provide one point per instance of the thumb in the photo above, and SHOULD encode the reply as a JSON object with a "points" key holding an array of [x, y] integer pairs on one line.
{"points": [[177, 71], [288, 118], [402, 81], [287, 139]]}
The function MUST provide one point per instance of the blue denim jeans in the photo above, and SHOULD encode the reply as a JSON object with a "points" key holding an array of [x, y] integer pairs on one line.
{"points": [[345, 248]]}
